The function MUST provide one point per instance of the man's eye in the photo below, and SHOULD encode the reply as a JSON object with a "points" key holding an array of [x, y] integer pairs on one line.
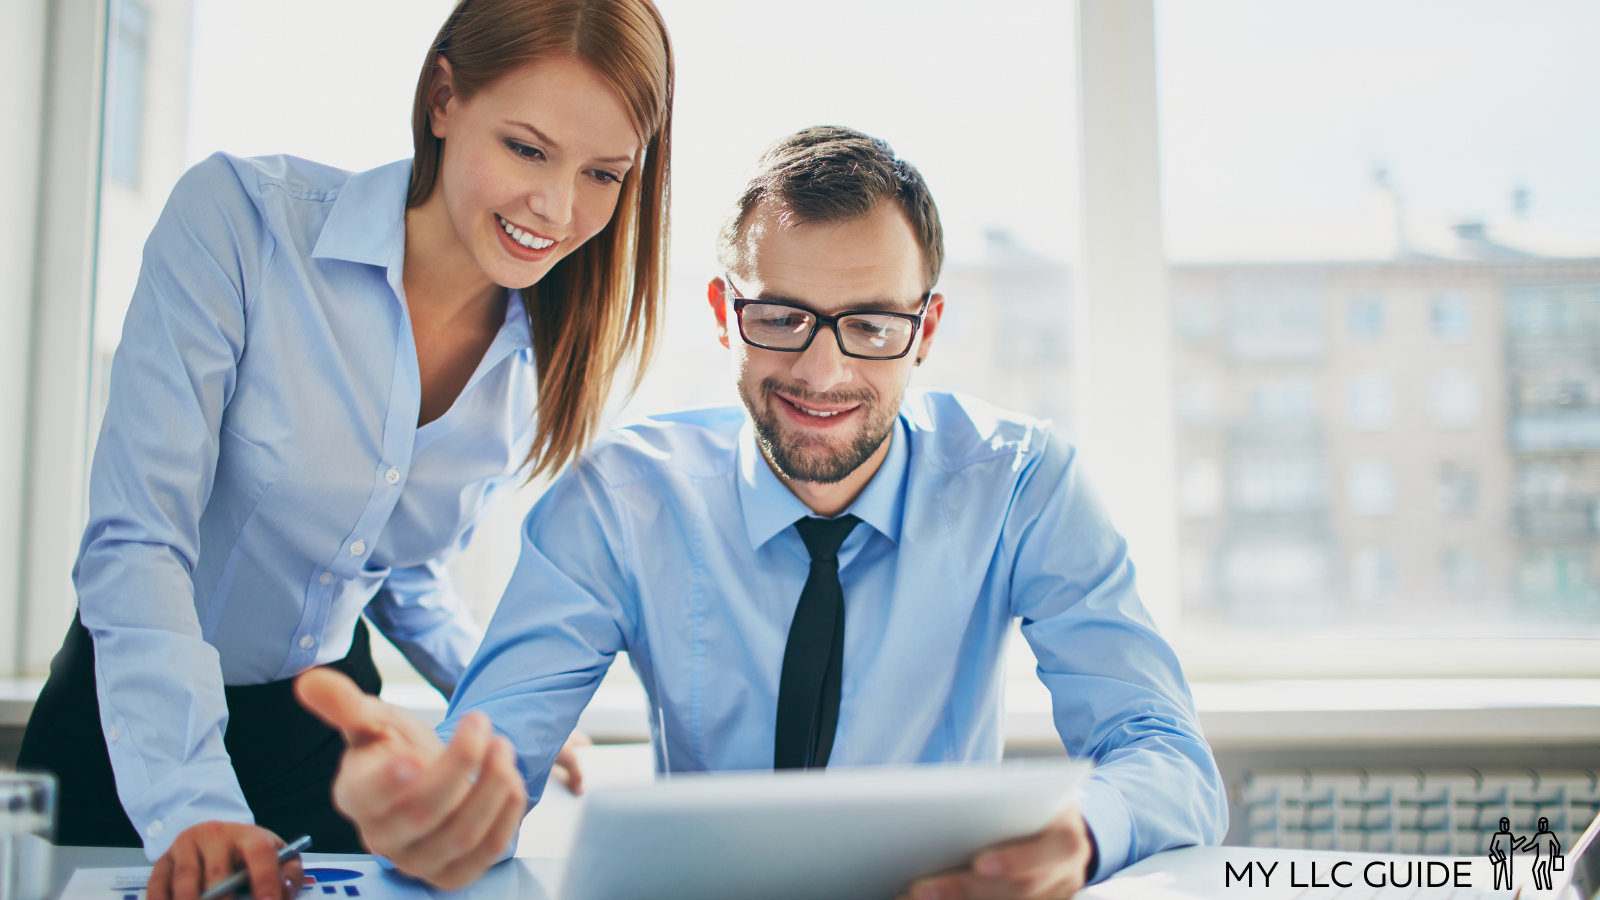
{"points": [[790, 321]]}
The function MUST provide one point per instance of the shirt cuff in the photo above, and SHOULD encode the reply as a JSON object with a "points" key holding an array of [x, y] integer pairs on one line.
{"points": [[1111, 824], [206, 798]]}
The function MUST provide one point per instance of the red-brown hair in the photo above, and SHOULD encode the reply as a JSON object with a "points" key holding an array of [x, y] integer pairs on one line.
{"points": [[602, 303]]}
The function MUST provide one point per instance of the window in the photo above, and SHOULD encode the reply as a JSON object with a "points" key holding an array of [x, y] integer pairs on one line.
{"points": [[1453, 399], [1369, 401], [1371, 487], [1283, 400], [125, 91], [1197, 403], [1363, 229], [1462, 573], [1364, 318], [1277, 482], [1458, 490], [1372, 575], [1450, 315]]}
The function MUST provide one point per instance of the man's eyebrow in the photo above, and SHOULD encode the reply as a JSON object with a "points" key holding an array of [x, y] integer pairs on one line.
{"points": [[551, 142], [887, 306]]}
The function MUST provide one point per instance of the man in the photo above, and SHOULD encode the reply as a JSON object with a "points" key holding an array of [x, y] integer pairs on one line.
{"points": [[912, 530]]}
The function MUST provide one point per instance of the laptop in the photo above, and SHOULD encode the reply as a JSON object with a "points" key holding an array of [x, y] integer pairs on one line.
{"points": [[858, 832], [1204, 873]]}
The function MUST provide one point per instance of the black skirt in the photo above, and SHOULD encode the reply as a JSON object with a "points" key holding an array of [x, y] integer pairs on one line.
{"points": [[284, 758]]}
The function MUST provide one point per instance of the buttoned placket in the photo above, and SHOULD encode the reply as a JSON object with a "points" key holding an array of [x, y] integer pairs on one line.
{"points": [[389, 478]]}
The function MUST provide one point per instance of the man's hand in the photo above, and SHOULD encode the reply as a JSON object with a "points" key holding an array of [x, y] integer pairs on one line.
{"points": [[441, 814], [205, 854], [1050, 865]]}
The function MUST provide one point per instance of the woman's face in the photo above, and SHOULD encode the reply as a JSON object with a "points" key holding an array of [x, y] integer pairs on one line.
{"points": [[532, 165]]}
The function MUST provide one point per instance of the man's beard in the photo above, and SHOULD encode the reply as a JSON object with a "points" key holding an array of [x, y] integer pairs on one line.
{"points": [[815, 459]]}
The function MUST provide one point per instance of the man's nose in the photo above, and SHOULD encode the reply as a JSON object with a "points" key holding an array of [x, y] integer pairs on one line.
{"points": [[821, 366]]}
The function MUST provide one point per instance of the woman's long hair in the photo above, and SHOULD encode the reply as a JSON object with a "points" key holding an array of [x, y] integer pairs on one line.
{"points": [[602, 303]]}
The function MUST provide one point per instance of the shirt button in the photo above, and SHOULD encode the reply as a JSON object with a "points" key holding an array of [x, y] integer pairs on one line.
{"points": [[156, 828], [114, 733], [358, 548], [326, 578], [392, 476], [307, 642]]}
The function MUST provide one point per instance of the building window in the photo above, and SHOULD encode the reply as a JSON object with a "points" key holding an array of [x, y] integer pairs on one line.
{"points": [[1461, 572], [1450, 315], [1277, 483], [1370, 487], [1458, 490], [1283, 400], [1369, 401], [1372, 575], [1364, 318], [1195, 317], [1275, 321], [1453, 399], [125, 91]]}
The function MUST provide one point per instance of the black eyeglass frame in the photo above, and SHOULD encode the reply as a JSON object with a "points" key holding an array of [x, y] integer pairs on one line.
{"points": [[740, 302]]}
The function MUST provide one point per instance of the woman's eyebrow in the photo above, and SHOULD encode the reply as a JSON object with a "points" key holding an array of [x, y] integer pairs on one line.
{"points": [[556, 145]]}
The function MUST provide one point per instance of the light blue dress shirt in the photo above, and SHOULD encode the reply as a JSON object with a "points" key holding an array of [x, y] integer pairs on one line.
{"points": [[260, 478], [674, 541]]}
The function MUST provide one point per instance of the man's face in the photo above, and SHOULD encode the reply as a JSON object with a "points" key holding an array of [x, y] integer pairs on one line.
{"points": [[820, 415]]}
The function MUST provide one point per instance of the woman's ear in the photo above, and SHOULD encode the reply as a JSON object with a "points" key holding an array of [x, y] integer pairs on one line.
{"points": [[441, 90]]}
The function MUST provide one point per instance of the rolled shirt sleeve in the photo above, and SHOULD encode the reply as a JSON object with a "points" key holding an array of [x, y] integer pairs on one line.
{"points": [[554, 635], [1118, 693], [159, 683]]}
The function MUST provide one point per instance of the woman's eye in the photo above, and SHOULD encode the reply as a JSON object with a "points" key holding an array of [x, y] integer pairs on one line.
{"points": [[525, 151], [605, 177]]}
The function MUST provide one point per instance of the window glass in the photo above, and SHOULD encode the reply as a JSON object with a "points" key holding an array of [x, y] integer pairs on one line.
{"points": [[996, 144], [1423, 250]]}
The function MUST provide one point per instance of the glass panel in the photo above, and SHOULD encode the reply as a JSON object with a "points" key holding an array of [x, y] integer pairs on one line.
{"points": [[220, 75], [1383, 227]]}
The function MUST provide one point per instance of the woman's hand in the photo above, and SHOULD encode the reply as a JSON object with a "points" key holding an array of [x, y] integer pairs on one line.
{"points": [[205, 854], [566, 771]]}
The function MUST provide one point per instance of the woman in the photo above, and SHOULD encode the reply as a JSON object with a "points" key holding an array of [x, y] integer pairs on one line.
{"points": [[323, 381]]}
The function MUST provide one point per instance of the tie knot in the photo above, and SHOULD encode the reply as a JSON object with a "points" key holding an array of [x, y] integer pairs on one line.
{"points": [[823, 536]]}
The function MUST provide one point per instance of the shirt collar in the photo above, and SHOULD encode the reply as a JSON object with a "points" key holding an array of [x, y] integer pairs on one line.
{"points": [[367, 222], [770, 507]]}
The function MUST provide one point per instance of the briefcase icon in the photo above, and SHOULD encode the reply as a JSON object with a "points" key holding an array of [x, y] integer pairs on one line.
{"points": [[1558, 862]]}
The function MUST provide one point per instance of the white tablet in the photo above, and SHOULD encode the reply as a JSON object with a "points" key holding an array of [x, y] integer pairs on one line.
{"points": [[860, 832]]}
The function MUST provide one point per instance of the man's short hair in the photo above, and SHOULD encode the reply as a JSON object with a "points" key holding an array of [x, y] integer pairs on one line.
{"points": [[827, 174]]}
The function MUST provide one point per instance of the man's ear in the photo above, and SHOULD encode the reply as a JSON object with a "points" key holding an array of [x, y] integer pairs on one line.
{"points": [[717, 296], [930, 327], [441, 90]]}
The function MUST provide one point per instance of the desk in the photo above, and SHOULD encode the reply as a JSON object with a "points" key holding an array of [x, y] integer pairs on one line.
{"points": [[533, 879]]}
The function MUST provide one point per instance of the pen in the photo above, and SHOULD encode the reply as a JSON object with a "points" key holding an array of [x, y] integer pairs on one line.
{"points": [[227, 887]]}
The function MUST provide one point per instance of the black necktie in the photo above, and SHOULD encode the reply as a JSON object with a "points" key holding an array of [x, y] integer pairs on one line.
{"points": [[813, 661]]}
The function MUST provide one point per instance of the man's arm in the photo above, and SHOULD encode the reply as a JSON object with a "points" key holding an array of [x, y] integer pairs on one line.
{"points": [[1119, 696], [1118, 693], [445, 814]]}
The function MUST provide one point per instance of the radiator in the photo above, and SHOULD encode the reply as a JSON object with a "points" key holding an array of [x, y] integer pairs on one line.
{"points": [[1449, 811]]}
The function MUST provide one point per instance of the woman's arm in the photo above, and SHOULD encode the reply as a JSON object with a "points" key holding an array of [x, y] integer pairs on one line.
{"points": [[159, 682]]}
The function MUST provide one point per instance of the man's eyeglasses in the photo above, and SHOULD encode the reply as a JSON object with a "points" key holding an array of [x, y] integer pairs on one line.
{"points": [[790, 327]]}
